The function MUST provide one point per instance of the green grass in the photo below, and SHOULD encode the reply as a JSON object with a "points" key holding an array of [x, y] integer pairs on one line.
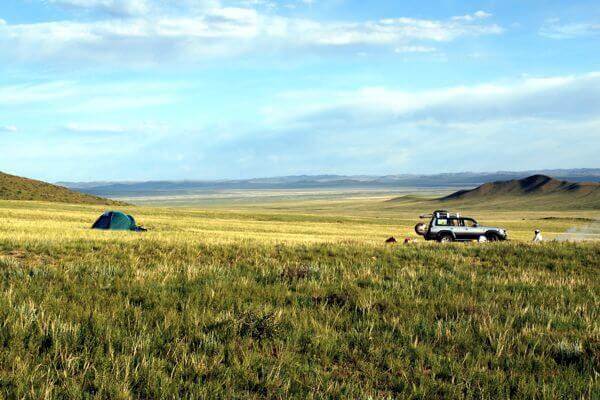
{"points": [[292, 300]]}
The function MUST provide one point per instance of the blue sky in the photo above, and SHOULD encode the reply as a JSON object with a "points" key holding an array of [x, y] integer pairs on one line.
{"points": [[206, 89]]}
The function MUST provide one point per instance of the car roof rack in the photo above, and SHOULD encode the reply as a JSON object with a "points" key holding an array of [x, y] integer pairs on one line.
{"points": [[441, 214]]}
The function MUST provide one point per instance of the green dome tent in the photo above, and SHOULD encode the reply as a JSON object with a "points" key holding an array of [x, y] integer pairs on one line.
{"points": [[116, 221]]}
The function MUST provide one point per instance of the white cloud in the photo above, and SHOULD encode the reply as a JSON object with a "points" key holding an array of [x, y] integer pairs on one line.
{"points": [[527, 123], [414, 49], [9, 129], [216, 32], [482, 14], [15, 95], [94, 128], [472, 17], [73, 97], [480, 127], [552, 98], [554, 29], [107, 129], [112, 7]]}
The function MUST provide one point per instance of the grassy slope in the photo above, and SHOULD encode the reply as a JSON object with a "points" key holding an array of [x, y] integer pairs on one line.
{"points": [[291, 300], [539, 191], [18, 188]]}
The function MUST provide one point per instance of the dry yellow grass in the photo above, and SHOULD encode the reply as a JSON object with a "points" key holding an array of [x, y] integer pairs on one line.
{"points": [[334, 221]]}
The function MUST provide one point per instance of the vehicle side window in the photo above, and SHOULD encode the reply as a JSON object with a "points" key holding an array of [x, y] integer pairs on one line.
{"points": [[454, 222], [469, 223], [441, 222]]}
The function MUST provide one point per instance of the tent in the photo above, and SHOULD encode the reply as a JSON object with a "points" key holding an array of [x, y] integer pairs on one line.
{"points": [[116, 221]]}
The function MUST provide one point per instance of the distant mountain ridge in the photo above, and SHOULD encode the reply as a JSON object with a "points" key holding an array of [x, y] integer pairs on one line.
{"points": [[533, 192], [446, 180], [18, 188], [532, 185]]}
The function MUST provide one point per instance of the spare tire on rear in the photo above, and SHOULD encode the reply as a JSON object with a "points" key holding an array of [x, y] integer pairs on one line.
{"points": [[421, 229]]}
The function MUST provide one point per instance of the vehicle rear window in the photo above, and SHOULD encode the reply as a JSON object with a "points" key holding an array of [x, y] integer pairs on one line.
{"points": [[442, 222]]}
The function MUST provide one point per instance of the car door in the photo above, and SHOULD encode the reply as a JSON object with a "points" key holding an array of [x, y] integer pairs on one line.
{"points": [[458, 228], [470, 228]]}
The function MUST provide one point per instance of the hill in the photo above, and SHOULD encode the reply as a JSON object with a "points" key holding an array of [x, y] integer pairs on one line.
{"points": [[18, 188], [537, 190]]}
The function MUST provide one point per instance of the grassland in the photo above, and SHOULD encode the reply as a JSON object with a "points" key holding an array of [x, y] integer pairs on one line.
{"points": [[293, 299]]}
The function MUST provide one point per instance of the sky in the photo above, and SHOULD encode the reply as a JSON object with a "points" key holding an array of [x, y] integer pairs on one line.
{"points": [[104, 90]]}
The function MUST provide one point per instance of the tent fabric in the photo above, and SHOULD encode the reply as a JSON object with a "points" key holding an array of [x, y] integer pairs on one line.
{"points": [[103, 222], [120, 222], [115, 221]]}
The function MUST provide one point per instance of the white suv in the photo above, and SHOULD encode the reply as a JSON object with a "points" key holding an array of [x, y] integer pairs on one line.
{"points": [[445, 226]]}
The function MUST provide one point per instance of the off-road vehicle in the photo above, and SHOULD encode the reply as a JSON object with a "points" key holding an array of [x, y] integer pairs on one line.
{"points": [[445, 226]]}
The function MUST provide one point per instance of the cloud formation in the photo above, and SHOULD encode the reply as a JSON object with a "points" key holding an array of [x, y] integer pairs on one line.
{"points": [[552, 98], [555, 29], [76, 97], [117, 8], [215, 32], [9, 129], [516, 124], [479, 127]]}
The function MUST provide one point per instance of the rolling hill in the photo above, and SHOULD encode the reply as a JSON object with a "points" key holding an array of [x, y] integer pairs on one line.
{"points": [[18, 188], [536, 191]]}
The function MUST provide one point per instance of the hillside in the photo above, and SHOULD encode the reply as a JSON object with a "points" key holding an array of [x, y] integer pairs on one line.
{"points": [[536, 190], [18, 188]]}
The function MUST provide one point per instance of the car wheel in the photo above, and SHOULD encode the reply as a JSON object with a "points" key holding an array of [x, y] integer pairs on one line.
{"points": [[492, 237], [446, 239], [421, 229]]}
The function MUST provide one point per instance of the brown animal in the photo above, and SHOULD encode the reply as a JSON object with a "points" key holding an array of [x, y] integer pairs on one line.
{"points": [[391, 240]]}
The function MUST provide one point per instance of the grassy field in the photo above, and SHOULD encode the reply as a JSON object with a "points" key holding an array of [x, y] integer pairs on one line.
{"points": [[294, 299]]}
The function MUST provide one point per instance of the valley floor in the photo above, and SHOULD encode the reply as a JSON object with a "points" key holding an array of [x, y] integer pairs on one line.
{"points": [[294, 299]]}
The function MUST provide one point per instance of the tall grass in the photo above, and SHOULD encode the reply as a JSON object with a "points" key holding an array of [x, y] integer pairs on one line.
{"points": [[264, 304], [151, 320]]}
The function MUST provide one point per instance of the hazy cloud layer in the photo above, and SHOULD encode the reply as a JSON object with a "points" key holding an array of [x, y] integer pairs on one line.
{"points": [[215, 32], [63, 97], [111, 7], [8, 129], [242, 88], [369, 130], [380, 129], [555, 98], [555, 29]]}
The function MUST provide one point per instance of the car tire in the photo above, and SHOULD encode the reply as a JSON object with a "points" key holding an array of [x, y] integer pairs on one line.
{"points": [[446, 238], [421, 229], [492, 237]]}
